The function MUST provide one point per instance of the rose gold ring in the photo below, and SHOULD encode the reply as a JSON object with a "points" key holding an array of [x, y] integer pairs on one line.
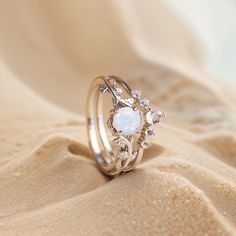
{"points": [[117, 142]]}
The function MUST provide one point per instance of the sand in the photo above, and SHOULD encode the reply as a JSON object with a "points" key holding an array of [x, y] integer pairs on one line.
{"points": [[49, 183]]}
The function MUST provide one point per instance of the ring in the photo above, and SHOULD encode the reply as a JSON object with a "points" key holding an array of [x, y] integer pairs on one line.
{"points": [[117, 142]]}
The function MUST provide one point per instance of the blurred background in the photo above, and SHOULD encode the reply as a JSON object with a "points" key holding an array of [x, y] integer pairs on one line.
{"points": [[214, 24], [58, 47]]}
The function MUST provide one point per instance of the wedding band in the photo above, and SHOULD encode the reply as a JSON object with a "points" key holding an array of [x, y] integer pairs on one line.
{"points": [[117, 142]]}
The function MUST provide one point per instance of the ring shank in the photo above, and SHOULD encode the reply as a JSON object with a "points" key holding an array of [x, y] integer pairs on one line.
{"points": [[97, 134]]}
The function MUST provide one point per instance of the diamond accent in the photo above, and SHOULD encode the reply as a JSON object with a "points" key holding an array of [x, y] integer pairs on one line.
{"points": [[112, 82], [149, 118], [161, 114], [144, 102], [118, 90], [154, 117], [136, 93]]}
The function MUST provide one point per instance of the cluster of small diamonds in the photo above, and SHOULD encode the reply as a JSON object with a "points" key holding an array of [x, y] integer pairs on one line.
{"points": [[151, 117]]}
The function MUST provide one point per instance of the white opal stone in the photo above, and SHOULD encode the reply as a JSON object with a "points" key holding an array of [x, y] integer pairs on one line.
{"points": [[127, 121]]}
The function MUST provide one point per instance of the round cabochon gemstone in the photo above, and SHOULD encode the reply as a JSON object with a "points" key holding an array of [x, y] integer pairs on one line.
{"points": [[127, 121]]}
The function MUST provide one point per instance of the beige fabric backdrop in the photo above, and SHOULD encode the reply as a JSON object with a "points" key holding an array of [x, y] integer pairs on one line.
{"points": [[49, 185]]}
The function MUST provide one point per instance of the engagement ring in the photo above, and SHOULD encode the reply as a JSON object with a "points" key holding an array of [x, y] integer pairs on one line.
{"points": [[117, 142]]}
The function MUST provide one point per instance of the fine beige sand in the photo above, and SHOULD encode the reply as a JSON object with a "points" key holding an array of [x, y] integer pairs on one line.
{"points": [[49, 183]]}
